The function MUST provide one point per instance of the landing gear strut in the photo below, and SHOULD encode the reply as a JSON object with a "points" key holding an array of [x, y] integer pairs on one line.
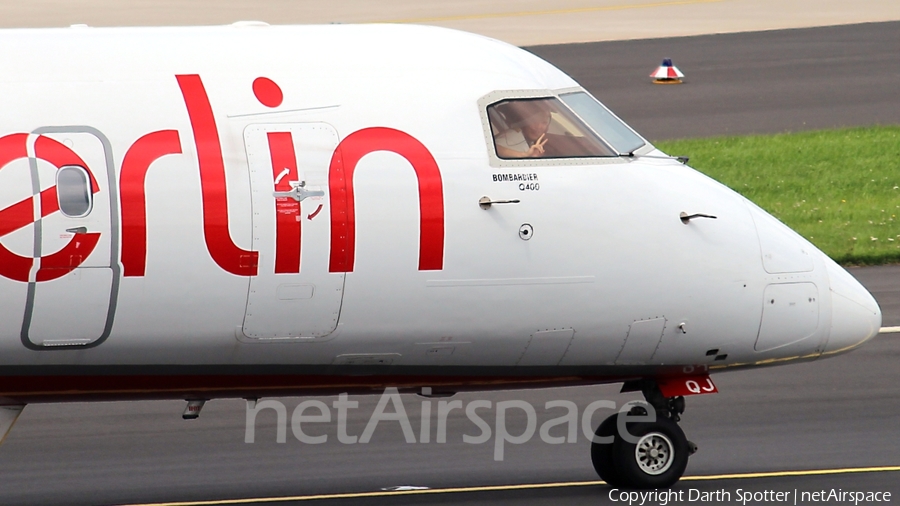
{"points": [[650, 452]]}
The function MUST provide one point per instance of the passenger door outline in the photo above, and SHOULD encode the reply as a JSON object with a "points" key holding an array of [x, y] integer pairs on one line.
{"points": [[113, 265]]}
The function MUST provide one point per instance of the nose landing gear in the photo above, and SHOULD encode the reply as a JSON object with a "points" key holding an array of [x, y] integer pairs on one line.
{"points": [[651, 452]]}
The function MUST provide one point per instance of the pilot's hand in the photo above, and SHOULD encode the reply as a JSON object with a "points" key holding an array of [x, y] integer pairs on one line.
{"points": [[537, 149]]}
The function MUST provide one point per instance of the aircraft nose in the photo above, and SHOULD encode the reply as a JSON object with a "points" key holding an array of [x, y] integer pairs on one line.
{"points": [[855, 316]]}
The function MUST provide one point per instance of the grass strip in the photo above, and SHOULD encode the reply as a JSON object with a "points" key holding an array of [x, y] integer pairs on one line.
{"points": [[838, 188]]}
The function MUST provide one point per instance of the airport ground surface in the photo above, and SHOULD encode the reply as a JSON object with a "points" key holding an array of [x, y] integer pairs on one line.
{"points": [[745, 83], [519, 22], [832, 414]]}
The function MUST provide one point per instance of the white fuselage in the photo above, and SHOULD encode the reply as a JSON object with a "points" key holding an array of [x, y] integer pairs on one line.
{"points": [[188, 263]]}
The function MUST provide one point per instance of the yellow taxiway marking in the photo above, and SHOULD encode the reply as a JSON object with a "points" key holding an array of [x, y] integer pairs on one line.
{"points": [[889, 330], [526, 486], [551, 12]]}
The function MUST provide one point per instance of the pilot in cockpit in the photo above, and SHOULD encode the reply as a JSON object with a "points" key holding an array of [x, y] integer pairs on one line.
{"points": [[525, 134]]}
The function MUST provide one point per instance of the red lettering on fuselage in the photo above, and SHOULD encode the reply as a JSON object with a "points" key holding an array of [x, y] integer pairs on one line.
{"points": [[21, 214], [340, 187], [287, 210], [138, 159], [223, 250]]}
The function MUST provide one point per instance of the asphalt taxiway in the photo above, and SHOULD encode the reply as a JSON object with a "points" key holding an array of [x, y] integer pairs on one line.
{"points": [[856, 487], [838, 414], [745, 83]]}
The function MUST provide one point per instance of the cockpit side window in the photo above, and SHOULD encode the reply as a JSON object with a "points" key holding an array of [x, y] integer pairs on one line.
{"points": [[612, 129], [542, 128]]}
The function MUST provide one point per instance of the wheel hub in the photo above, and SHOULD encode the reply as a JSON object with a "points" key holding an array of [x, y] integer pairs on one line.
{"points": [[654, 453]]}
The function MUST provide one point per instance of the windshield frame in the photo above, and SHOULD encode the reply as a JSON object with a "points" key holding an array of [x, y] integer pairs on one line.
{"points": [[500, 95]]}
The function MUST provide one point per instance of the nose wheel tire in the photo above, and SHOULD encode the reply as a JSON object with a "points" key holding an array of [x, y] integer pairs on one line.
{"points": [[657, 459], [602, 453]]}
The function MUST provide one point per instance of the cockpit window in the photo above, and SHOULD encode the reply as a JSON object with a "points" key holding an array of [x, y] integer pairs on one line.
{"points": [[611, 128], [541, 128]]}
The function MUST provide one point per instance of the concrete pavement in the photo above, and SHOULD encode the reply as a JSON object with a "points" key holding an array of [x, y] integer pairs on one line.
{"points": [[519, 22]]}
